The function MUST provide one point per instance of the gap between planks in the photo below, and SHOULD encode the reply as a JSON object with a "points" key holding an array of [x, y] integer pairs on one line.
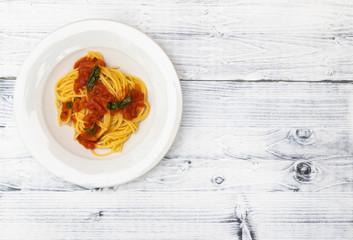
{"points": [[240, 80]]}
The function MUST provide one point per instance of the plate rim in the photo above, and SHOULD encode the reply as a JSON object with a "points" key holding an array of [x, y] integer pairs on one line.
{"points": [[178, 111]]}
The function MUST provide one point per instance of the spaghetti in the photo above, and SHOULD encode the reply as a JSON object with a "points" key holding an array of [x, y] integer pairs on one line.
{"points": [[103, 105]]}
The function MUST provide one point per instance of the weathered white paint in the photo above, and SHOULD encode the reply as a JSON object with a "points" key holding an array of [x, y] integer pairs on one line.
{"points": [[248, 104], [300, 216], [172, 215], [213, 152], [271, 39], [114, 215], [252, 160], [244, 163]]}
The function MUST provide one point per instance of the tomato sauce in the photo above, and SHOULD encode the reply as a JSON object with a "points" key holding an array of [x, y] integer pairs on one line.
{"points": [[137, 101], [87, 141], [65, 112], [97, 100], [85, 66]]}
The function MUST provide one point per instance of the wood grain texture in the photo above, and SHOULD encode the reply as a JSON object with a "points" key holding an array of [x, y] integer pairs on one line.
{"points": [[169, 215], [309, 148], [129, 215], [299, 216], [253, 160], [248, 104], [245, 164], [206, 40]]}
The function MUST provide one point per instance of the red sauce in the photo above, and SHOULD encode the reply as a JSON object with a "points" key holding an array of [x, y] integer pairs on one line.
{"points": [[65, 112], [137, 101], [88, 141], [85, 66], [95, 104], [97, 101]]}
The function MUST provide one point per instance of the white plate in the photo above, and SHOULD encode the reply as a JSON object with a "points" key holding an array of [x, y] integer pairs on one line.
{"points": [[53, 146]]}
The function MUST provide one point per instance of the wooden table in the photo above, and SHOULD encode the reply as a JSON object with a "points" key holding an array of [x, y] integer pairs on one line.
{"points": [[265, 147]]}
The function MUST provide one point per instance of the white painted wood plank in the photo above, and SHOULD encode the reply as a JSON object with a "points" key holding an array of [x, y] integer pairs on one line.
{"points": [[248, 104], [206, 40], [257, 151], [299, 216], [129, 215], [267, 104], [175, 215], [241, 162]]}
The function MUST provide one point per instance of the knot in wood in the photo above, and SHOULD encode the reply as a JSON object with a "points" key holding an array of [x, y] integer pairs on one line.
{"points": [[303, 133], [218, 179], [304, 172], [185, 166], [303, 168], [96, 216], [304, 136]]}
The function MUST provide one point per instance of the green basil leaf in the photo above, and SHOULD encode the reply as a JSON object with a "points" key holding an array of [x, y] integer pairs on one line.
{"points": [[93, 78], [92, 131], [124, 103], [112, 105], [119, 105], [69, 104]]}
